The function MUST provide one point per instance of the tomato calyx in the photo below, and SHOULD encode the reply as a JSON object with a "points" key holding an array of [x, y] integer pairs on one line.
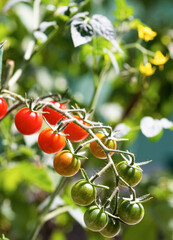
{"points": [[33, 106], [85, 176], [141, 199]]}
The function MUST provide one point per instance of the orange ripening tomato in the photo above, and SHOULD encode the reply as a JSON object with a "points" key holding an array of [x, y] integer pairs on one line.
{"points": [[74, 132], [51, 115], [66, 164], [97, 150], [50, 141]]}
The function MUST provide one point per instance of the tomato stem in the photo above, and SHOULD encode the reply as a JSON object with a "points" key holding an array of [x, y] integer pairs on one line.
{"points": [[70, 146], [84, 175], [100, 173]]}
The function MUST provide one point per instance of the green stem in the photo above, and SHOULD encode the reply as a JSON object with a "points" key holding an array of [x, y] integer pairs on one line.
{"points": [[114, 193], [51, 36], [40, 221], [101, 172], [117, 176], [56, 212], [97, 90], [140, 48]]}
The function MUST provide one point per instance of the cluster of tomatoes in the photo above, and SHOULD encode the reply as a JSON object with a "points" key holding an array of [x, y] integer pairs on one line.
{"points": [[53, 141], [84, 193], [66, 163]]}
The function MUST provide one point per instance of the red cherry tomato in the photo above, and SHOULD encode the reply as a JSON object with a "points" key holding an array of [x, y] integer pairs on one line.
{"points": [[3, 108], [28, 122], [74, 132], [50, 141], [51, 115]]}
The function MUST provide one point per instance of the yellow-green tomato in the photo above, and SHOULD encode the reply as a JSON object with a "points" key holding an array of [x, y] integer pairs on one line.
{"points": [[83, 193]]}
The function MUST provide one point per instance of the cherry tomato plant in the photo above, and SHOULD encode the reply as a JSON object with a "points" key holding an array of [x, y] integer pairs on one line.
{"points": [[61, 135]]}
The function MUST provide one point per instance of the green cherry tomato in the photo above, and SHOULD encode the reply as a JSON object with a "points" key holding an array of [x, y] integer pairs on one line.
{"points": [[112, 228], [130, 174], [83, 193], [95, 218], [130, 212]]}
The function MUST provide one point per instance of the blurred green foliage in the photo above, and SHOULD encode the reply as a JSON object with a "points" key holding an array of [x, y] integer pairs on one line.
{"points": [[23, 186]]}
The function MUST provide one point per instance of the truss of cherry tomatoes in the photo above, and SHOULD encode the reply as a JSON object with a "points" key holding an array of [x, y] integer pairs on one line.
{"points": [[64, 128]]}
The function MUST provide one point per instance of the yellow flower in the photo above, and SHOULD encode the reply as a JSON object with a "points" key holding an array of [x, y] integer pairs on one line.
{"points": [[159, 59], [146, 33], [147, 69]]}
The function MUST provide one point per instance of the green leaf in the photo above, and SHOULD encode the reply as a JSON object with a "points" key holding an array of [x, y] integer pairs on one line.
{"points": [[35, 175], [81, 30], [103, 26], [1, 56], [24, 172], [123, 11]]}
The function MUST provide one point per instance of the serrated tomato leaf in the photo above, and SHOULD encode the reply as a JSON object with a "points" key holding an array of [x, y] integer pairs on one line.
{"points": [[81, 31], [103, 26]]}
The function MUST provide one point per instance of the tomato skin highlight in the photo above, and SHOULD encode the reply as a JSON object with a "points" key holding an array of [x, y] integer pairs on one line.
{"points": [[74, 132], [3, 108], [131, 213], [112, 228], [50, 141], [83, 193], [28, 122], [51, 115], [131, 175], [97, 150], [66, 164], [95, 218]]}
